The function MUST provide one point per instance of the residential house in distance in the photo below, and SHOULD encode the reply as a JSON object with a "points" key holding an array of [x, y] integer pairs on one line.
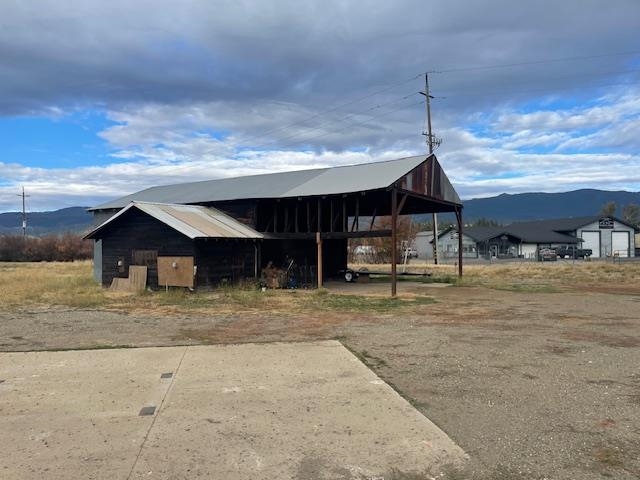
{"points": [[604, 236]]}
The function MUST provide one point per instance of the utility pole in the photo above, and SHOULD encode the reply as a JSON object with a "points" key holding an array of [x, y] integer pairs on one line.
{"points": [[431, 141], [24, 213]]}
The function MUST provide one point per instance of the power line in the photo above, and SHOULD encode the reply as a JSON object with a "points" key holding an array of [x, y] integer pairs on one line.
{"points": [[534, 62], [332, 121], [358, 124], [339, 106], [486, 93], [329, 110]]}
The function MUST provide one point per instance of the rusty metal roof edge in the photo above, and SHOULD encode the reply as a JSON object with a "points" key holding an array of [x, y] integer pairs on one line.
{"points": [[214, 216]]}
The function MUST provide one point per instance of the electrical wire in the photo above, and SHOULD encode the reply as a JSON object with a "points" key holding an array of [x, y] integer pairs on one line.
{"points": [[446, 95], [535, 62], [331, 121], [358, 124], [329, 110]]}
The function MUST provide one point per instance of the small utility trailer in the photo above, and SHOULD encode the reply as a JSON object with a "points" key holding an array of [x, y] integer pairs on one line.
{"points": [[351, 275]]}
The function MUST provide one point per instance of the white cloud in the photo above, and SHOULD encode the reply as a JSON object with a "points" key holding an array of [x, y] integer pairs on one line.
{"points": [[163, 144], [202, 89]]}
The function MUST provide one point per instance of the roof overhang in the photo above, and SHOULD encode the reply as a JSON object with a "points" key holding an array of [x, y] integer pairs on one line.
{"points": [[190, 220], [421, 176]]}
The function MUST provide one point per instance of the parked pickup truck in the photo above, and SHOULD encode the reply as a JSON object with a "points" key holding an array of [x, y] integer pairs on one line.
{"points": [[571, 252]]}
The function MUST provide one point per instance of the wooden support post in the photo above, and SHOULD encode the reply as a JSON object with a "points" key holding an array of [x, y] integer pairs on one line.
{"points": [[434, 217], [401, 206], [334, 221], [344, 214], [296, 220], [394, 239], [275, 218], [373, 218], [459, 219], [319, 229], [331, 215], [319, 269], [286, 218]]}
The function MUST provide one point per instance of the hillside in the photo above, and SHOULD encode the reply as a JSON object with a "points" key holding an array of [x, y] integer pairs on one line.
{"points": [[504, 208], [537, 206], [72, 219]]}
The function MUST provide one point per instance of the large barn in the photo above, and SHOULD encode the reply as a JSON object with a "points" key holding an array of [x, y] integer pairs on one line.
{"points": [[229, 229]]}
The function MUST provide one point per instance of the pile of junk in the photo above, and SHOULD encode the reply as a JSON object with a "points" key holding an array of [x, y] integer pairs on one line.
{"points": [[289, 275]]}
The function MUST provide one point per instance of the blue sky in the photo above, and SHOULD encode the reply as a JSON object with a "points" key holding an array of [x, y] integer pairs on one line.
{"points": [[103, 99]]}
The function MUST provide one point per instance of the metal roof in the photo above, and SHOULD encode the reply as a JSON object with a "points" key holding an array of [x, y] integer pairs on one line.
{"points": [[565, 224], [482, 234], [191, 220], [525, 235], [302, 183], [538, 234]]}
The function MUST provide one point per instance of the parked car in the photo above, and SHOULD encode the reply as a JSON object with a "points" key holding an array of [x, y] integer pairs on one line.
{"points": [[573, 252], [365, 250], [410, 252], [547, 255]]}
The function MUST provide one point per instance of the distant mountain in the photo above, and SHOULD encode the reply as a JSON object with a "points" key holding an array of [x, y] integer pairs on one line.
{"points": [[504, 208], [507, 208], [538, 206], [72, 219]]}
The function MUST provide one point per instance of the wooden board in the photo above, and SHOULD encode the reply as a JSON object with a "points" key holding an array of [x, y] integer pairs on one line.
{"points": [[137, 278], [175, 272], [135, 282], [120, 284]]}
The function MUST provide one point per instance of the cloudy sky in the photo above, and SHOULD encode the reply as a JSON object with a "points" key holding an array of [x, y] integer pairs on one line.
{"points": [[100, 99]]}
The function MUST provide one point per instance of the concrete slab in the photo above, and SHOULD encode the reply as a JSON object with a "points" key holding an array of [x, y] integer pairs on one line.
{"points": [[309, 410]]}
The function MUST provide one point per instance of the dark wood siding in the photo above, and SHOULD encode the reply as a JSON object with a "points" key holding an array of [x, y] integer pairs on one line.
{"points": [[137, 231], [305, 254], [222, 261]]}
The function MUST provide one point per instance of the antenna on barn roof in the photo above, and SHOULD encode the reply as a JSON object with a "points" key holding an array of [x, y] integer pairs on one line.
{"points": [[24, 213], [433, 142]]}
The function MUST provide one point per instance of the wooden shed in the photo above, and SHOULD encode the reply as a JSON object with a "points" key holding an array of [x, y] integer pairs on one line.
{"points": [[181, 245], [307, 215]]}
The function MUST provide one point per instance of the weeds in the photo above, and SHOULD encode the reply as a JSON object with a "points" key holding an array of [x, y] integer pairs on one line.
{"points": [[534, 277], [322, 300], [372, 360]]}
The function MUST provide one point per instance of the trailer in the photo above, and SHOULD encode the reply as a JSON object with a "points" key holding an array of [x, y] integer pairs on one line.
{"points": [[351, 275]]}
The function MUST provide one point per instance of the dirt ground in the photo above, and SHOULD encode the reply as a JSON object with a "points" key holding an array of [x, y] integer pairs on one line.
{"points": [[531, 385]]}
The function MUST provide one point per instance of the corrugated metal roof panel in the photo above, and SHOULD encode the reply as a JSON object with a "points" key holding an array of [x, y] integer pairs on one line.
{"points": [[191, 220], [356, 178], [322, 181]]}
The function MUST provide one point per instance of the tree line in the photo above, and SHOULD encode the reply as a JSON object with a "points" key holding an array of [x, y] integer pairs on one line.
{"points": [[49, 248], [630, 212]]}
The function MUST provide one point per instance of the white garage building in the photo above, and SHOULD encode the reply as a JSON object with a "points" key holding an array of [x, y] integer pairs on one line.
{"points": [[604, 236]]}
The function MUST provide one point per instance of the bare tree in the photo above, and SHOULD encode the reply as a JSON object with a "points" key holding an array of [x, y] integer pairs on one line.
{"points": [[608, 209], [631, 214]]}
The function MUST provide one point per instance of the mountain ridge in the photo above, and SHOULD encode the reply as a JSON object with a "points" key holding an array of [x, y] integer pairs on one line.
{"points": [[503, 208], [508, 207], [69, 219]]}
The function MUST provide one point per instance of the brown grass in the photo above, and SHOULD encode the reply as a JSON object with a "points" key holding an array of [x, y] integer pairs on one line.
{"points": [[597, 276], [49, 283], [35, 285], [71, 285]]}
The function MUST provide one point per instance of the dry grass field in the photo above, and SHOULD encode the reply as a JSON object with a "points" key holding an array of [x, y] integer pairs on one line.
{"points": [[533, 369], [71, 285]]}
